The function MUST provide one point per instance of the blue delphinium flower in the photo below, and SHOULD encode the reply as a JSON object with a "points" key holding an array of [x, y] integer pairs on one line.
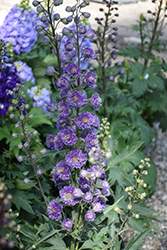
{"points": [[19, 28], [50, 141], [61, 172], [61, 83], [92, 140], [67, 224], [76, 159], [90, 216], [54, 210], [8, 80], [91, 79], [66, 195], [95, 101], [24, 72], [41, 97], [72, 70], [76, 99], [68, 137], [64, 108]]}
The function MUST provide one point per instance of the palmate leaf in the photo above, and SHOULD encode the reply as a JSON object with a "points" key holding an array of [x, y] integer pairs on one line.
{"points": [[127, 150], [130, 51], [143, 129], [157, 101], [136, 243], [22, 203]]}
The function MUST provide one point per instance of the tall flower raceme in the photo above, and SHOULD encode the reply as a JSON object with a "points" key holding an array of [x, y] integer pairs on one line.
{"points": [[19, 28], [80, 176], [8, 79], [68, 51]]}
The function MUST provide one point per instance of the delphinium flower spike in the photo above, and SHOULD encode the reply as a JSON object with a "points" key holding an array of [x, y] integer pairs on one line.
{"points": [[80, 175]]}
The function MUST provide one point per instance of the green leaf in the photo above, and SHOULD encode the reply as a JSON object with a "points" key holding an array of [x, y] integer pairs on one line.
{"points": [[58, 242], [136, 243], [39, 117], [22, 203], [128, 151], [88, 244], [4, 132]]}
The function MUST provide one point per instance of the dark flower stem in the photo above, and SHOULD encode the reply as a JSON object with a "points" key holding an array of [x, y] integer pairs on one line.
{"points": [[32, 161], [55, 42], [154, 35]]}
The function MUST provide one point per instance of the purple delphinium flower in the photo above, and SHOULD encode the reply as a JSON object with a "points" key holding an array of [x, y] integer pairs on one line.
{"points": [[24, 72], [61, 172], [19, 27], [85, 183], [76, 159], [95, 122], [95, 101], [63, 122], [77, 193], [105, 184], [8, 81], [91, 79], [92, 140], [50, 71], [84, 121], [50, 141], [66, 195], [99, 204], [87, 197], [90, 216], [54, 210], [61, 83], [105, 192], [89, 53], [99, 172], [58, 143], [67, 224], [64, 108], [65, 93], [75, 99], [68, 137], [72, 70], [95, 155]]}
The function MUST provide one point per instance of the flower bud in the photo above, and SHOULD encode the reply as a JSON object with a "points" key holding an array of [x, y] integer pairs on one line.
{"points": [[86, 14], [20, 158], [64, 20], [68, 9], [129, 206], [40, 9], [56, 16], [57, 2], [39, 172], [26, 181], [35, 3]]}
